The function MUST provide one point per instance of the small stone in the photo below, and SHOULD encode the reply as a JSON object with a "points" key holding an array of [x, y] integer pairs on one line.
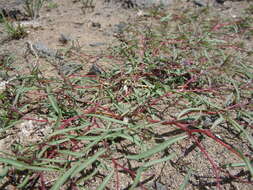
{"points": [[95, 70], [144, 3], [3, 86], [220, 1], [97, 44], [96, 25], [32, 131], [200, 3], [119, 28], [64, 39]]}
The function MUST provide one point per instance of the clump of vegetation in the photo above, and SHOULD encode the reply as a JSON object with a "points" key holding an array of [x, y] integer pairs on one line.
{"points": [[88, 6], [51, 5], [33, 7], [14, 31]]}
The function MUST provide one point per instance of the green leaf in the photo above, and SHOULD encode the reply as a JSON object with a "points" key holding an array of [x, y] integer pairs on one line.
{"points": [[184, 112], [88, 177], [52, 160], [166, 18], [58, 141], [249, 166], [106, 180], [61, 180], [10, 126], [217, 122], [25, 181], [186, 180], [123, 108], [157, 148], [153, 162], [22, 166], [88, 162], [137, 178], [53, 101], [241, 164], [64, 131], [14, 163], [71, 153], [3, 172], [238, 96], [241, 129], [133, 138], [109, 119]]}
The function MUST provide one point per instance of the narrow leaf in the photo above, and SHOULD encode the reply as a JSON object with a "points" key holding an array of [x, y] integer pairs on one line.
{"points": [[88, 162], [106, 180], [157, 148], [62, 179], [186, 180], [153, 162], [53, 102]]}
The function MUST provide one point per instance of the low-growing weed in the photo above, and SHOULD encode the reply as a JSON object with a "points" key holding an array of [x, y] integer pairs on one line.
{"points": [[51, 5], [14, 31], [88, 6], [176, 102], [33, 7]]}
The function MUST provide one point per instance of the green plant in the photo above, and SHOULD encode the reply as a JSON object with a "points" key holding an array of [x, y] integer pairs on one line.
{"points": [[51, 5], [88, 5], [249, 10], [6, 64], [14, 31], [32, 7], [177, 93]]}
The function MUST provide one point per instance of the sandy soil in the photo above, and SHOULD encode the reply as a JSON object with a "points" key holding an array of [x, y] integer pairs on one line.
{"points": [[94, 30]]}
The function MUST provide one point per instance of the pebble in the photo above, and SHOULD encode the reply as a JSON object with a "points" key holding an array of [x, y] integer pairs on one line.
{"points": [[97, 44], [95, 70], [200, 3], [64, 39], [119, 28], [144, 3], [96, 24]]}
